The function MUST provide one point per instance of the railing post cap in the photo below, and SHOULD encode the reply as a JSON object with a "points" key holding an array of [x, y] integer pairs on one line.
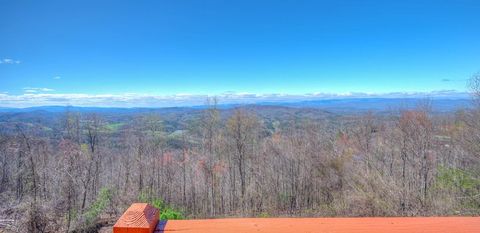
{"points": [[138, 218]]}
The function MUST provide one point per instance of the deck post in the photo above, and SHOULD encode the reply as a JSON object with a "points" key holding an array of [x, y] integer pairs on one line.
{"points": [[138, 218]]}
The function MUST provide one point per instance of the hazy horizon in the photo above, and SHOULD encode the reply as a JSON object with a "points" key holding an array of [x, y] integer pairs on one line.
{"points": [[189, 100]]}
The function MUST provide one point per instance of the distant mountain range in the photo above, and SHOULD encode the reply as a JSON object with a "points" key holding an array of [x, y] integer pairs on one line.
{"points": [[384, 104], [272, 114], [345, 105]]}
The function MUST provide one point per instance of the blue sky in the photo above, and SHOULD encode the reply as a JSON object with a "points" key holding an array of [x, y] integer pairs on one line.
{"points": [[172, 49]]}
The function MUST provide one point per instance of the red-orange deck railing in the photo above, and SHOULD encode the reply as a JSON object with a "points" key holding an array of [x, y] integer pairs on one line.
{"points": [[140, 218]]}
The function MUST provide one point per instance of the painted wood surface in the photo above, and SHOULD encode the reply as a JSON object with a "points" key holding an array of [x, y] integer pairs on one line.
{"points": [[327, 225]]}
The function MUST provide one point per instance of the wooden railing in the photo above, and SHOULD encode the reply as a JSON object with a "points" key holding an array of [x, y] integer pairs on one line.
{"points": [[143, 218]]}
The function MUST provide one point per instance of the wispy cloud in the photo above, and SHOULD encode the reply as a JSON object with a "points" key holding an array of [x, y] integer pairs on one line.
{"points": [[36, 89], [57, 77], [446, 80], [34, 97], [9, 61]]}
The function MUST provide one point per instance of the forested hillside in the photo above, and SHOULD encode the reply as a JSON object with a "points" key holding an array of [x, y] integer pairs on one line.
{"points": [[73, 171]]}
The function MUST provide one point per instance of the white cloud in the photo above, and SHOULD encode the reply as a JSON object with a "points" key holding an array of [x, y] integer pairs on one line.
{"points": [[36, 89], [57, 77], [9, 61], [35, 97]]}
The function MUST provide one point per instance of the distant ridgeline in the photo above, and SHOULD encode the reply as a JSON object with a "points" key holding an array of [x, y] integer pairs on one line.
{"points": [[49, 118], [338, 105]]}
